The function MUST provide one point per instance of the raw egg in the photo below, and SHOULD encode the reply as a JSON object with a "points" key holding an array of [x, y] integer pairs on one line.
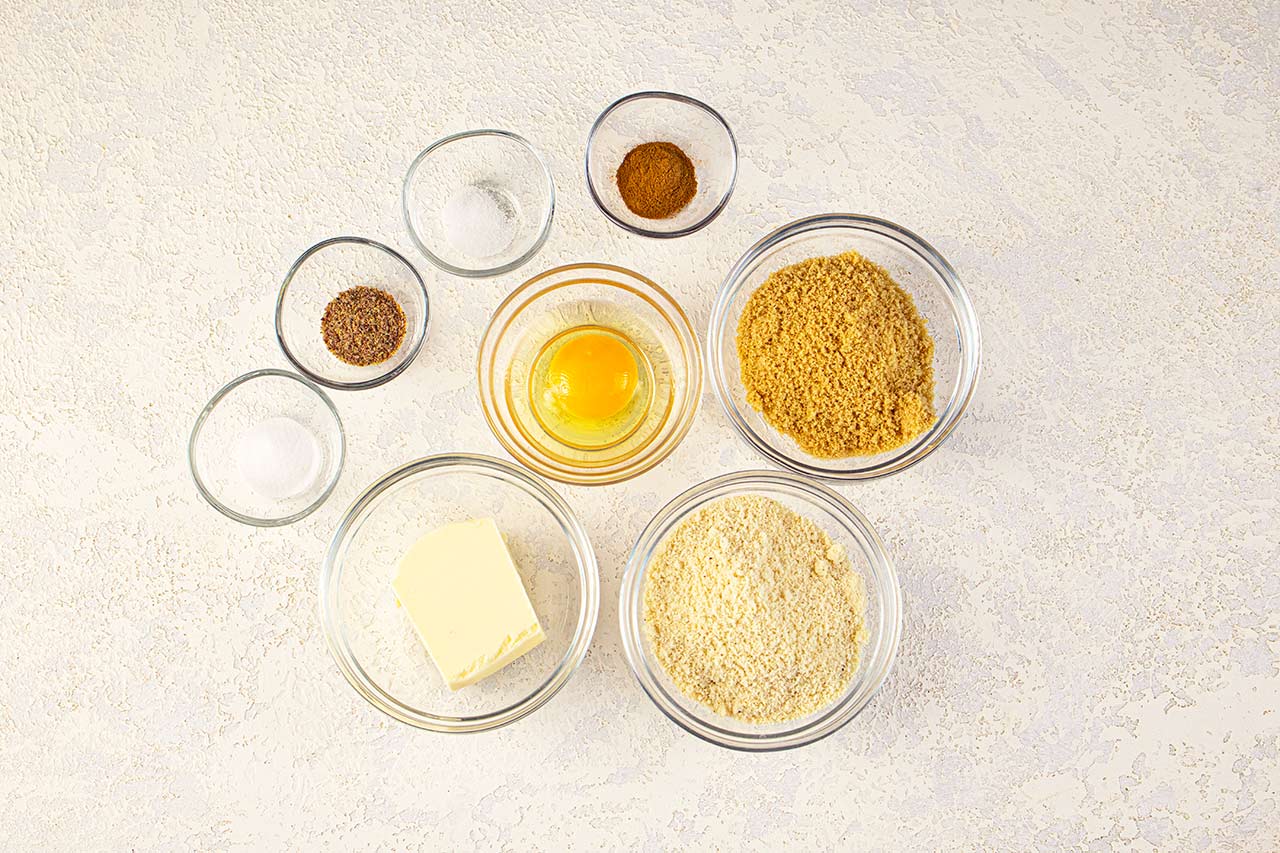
{"points": [[592, 376], [590, 387]]}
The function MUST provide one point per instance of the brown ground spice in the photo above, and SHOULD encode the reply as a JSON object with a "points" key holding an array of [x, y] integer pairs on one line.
{"points": [[835, 355], [656, 180], [363, 326]]}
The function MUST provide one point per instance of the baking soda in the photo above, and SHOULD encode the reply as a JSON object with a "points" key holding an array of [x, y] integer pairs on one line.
{"points": [[479, 221], [279, 458]]}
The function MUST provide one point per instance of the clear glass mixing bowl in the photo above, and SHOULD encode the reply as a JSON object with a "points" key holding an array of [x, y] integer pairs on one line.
{"points": [[699, 131], [501, 163], [321, 273], [574, 295], [372, 640], [846, 526], [240, 405], [918, 268]]}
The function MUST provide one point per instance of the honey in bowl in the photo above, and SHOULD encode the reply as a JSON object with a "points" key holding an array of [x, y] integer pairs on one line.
{"points": [[591, 386]]}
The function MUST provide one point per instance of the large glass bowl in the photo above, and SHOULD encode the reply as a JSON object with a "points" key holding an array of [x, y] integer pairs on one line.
{"points": [[373, 641], [918, 268], [577, 295], [846, 526]]}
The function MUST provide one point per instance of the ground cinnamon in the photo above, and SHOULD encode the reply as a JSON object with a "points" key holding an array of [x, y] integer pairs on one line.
{"points": [[656, 180]]}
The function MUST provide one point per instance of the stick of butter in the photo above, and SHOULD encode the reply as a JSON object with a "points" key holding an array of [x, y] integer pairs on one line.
{"points": [[466, 601]]}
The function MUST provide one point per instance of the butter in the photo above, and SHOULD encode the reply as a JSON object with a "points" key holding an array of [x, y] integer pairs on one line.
{"points": [[465, 599]]}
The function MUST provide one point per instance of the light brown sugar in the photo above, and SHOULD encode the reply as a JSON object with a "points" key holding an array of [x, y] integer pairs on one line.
{"points": [[834, 354]]}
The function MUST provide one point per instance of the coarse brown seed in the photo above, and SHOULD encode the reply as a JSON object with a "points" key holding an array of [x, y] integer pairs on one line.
{"points": [[363, 326], [834, 354]]}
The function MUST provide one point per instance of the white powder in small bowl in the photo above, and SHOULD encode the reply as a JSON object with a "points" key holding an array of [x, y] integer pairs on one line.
{"points": [[279, 458], [479, 221]]}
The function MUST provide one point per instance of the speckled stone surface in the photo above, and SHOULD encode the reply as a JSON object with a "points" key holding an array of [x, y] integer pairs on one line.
{"points": [[1091, 644]]}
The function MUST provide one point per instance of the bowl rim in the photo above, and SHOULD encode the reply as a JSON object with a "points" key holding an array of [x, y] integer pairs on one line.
{"points": [[420, 330], [970, 336], [485, 368], [631, 592], [201, 418], [670, 96], [481, 272], [588, 610]]}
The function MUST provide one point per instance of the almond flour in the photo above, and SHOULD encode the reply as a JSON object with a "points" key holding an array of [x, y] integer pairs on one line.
{"points": [[754, 611]]}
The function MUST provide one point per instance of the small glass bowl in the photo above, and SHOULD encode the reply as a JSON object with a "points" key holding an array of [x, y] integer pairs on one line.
{"points": [[238, 406], [696, 128], [918, 268], [373, 641], [588, 294], [497, 161], [846, 526], [321, 273]]}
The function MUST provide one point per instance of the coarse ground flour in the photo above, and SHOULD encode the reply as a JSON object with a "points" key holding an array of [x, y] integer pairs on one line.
{"points": [[754, 611]]}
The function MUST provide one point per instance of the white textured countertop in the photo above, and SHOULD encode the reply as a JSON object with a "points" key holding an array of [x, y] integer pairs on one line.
{"points": [[1091, 645]]}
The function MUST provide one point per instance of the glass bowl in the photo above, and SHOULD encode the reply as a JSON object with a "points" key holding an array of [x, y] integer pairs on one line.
{"points": [[214, 452], [321, 273], [588, 295], [846, 526], [918, 269], [498, 167], [696, 128], [374, 643]]}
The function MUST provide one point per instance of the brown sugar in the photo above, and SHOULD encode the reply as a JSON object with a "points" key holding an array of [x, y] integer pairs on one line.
{"points": [[834, 354], [656, 180]]}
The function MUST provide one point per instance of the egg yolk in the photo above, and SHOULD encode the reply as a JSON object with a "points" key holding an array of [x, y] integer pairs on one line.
{"points": [[592, 376]]}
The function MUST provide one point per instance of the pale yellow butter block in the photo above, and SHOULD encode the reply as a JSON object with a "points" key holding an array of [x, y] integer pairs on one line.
{"points": [[465, 599]]}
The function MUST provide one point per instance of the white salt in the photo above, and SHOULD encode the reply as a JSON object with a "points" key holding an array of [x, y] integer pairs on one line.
{"points": [[279, 458], [479, 221]]}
